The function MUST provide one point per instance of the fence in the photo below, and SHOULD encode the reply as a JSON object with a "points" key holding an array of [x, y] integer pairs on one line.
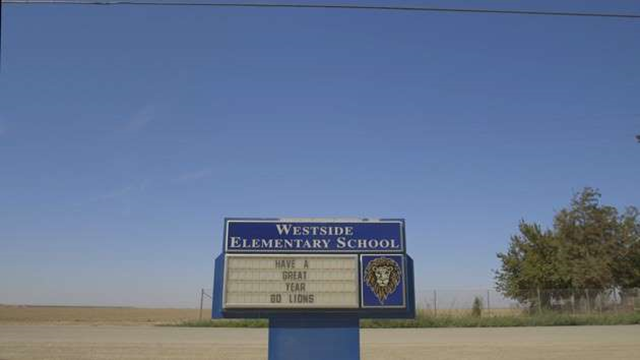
{"points": [[205, 295], [460, 301], [570, 301]]}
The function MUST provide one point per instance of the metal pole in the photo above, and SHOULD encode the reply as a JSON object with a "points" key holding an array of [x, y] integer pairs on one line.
{"points": [[600, 296], [488, 303], [435, 303], [201, 302], [539, 302]]}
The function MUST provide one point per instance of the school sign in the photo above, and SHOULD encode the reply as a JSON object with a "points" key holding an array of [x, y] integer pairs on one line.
{"points": [[309, 273]]}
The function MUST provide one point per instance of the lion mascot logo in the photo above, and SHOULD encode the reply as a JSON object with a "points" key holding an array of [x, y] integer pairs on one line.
{"points": [[382, 275]]}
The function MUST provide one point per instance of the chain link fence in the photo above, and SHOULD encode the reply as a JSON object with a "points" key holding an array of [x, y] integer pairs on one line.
{"points": [[567, 301], [444, 301], [460, 301]]}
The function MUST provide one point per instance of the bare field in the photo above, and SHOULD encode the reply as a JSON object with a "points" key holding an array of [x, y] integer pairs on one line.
{"points": [[74, 333], [15, 314], [94, 315], [58, 342]]}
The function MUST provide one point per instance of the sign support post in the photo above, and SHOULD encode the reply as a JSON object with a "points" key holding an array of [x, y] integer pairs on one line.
{"points": [[314, 338]]}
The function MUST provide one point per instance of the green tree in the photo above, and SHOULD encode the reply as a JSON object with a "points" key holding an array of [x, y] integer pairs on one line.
{"points": [[626, 272], [531, 263], [590, 246], [588, 234]]}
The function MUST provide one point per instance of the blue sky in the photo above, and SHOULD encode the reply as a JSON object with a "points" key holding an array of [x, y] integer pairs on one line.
{"points": [[128, 134]]}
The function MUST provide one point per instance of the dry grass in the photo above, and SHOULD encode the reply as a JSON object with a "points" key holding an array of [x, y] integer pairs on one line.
{"points": [[95, 315], [467, 312], [135, 316]]}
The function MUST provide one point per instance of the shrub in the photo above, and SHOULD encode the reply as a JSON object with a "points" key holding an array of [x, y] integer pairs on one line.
{"points": [[476, 310]]}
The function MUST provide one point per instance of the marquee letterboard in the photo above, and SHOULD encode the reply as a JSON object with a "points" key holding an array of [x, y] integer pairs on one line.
{"points": [[291, 281]]}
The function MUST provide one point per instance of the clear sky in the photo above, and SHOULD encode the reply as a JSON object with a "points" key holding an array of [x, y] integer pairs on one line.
{"points": [[127, 134]]}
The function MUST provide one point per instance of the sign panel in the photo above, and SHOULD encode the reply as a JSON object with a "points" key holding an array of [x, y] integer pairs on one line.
{"points": [[353, 267], [383, 281], [291, 281], [302, 236]]}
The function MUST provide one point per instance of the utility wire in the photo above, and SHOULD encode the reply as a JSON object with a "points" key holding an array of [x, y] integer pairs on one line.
{"points": [[309, 6], [322, 6]]}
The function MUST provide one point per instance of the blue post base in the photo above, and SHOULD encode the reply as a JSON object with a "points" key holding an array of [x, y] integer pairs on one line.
{"points": [[321, 337]]}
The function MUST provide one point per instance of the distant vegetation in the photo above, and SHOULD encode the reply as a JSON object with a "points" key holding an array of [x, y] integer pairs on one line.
{"points": [[591, 252], [476, 309], [426, 320], [470, 320]]}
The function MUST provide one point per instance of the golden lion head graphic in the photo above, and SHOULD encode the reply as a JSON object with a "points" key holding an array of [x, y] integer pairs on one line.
{"points": [[382, 275]]}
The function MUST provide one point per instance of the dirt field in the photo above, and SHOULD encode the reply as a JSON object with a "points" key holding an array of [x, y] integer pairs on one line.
{"points": [[12, 314], [74, 342], [74, 333]]}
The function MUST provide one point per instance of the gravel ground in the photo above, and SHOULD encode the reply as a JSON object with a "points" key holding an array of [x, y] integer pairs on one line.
{"points": [[71, 342]]}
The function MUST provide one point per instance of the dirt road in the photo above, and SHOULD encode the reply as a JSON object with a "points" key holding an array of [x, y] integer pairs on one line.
{"points": [[71, 342]]}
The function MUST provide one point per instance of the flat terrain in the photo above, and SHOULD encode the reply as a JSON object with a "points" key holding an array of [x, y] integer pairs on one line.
{"points": [[71, 342], [15, 314], [20, 314], [95, 333]]}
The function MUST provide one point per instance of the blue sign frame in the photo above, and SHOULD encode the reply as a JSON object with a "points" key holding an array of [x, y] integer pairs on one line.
{"points": [[366, 236], [309, 236]]}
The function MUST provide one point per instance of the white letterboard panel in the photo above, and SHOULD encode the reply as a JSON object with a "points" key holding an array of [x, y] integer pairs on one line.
{"points": [[302, 281]]}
